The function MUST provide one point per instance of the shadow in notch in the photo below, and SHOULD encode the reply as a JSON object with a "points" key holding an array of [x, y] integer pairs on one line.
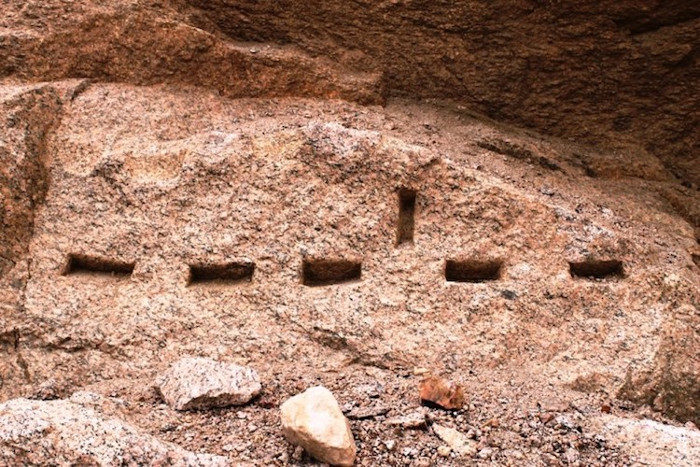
{"points": [[407, 213], [85, 264], [472, 270], [328, 272], [597, 269], [226, 273]]}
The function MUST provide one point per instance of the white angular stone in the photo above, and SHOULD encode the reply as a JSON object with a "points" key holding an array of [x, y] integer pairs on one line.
{"points": [[314, 421], [68, 432], [410, 420], [202, 383]]}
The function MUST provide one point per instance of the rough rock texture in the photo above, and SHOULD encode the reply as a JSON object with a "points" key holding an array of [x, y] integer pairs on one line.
{"points": [[28, 113], [313, 420], [652, 443], [621, 73], [144, 42], [149, 181], [170, 188], [75, 432], [201, 383], [618, 74], [662, 383]]}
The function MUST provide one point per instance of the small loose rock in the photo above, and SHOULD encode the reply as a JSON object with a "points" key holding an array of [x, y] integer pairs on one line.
{"points": [[442, 393], [314, 421], [456, 440], [202, 383], [411, 420]]}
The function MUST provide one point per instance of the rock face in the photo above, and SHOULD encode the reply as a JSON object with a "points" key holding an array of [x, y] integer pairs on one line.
{"points": [[535, 65], [72, 433], [314, 421], [27, 116], [543, 66], [269, 187], [333, 192], [202, 383], [664, 383], [154, 43], [650, 442]]}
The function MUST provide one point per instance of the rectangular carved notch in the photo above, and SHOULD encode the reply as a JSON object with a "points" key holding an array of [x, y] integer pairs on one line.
{"points": [[328, 272], [78, 263], [472, 270], [225, 273], [596, 269], [407, 214]]}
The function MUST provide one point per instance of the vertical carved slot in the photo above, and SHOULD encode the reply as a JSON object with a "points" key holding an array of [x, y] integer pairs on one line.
{"points": [[472, 270], [84, 264], [407, 215], [597, 269], [226, 273], [328, 272]]}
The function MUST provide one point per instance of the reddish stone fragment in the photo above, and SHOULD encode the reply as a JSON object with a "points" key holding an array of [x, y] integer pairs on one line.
{"points": [[441, 392]]}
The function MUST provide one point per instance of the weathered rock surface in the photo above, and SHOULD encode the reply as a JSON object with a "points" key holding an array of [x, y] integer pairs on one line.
{"points": [[314, 421], [543, 66], [203, 383], [212, 182], [28, 114], [72, 432], [145, 42], [609, 72], [651, 443], [665, 383], [313, 175]]}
